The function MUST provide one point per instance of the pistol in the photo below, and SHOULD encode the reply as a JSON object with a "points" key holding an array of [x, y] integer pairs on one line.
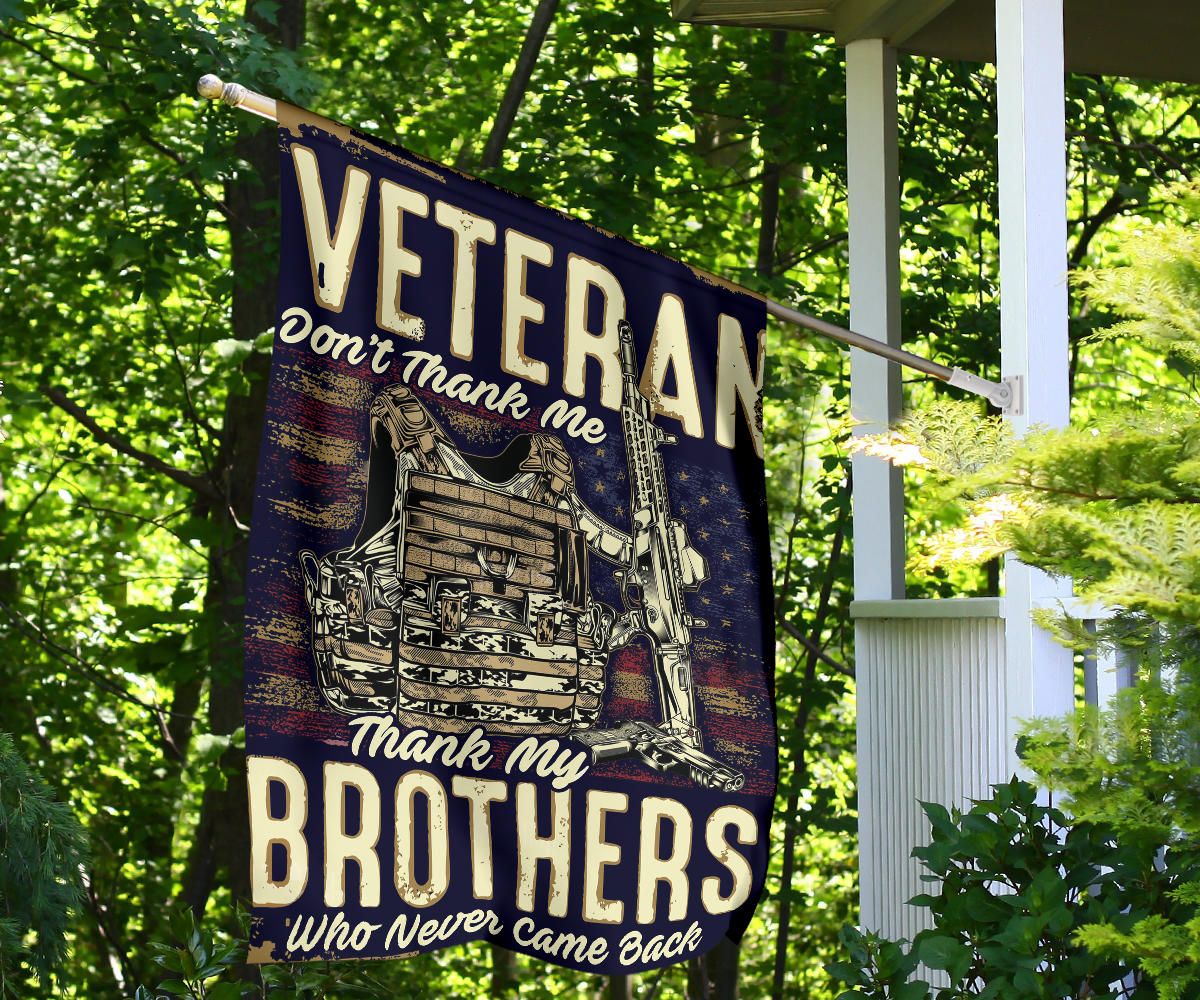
{"points": [[662, 750]]}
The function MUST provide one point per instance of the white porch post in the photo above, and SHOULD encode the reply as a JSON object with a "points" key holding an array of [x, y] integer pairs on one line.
{"points": [[873, 187], [1033, 311], [875, 399]]}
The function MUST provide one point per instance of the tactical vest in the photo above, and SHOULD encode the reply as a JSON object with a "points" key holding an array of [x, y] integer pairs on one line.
{"points": [[464, 599]]}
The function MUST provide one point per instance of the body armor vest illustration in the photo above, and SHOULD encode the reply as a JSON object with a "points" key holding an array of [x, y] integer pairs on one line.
{"points": [[464, 599]]}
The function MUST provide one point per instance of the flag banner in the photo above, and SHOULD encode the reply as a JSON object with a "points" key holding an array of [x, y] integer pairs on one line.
{"points": [[509, 636]]}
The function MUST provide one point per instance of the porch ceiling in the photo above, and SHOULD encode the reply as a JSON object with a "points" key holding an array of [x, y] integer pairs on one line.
{"points": [[1155, 39]]}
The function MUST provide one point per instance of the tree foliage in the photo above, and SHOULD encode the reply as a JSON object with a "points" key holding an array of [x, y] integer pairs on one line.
{"points": [[1112, 501], [139, 278]]}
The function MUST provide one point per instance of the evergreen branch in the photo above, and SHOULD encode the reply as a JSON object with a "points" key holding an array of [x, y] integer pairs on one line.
{"points": [[43, 853], [1082, 494], [196, 484]]}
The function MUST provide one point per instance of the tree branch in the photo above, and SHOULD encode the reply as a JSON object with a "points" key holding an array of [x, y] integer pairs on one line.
{"points": [[1110, 209], [799, 760], [118, 443], [117, 953], [72, 661], [518, 83], [61, 67], [815, 650], [186, 171], [768, 206]]}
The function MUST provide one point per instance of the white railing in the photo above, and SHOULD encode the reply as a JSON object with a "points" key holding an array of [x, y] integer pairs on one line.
{"points": [[934, 725]]}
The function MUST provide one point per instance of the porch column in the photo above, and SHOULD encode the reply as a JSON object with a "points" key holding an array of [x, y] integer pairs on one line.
{"points": [[1033, 312], [873, 187], [875, 399]]}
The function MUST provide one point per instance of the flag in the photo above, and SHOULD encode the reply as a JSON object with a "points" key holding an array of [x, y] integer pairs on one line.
{"points": [[509, 641]]}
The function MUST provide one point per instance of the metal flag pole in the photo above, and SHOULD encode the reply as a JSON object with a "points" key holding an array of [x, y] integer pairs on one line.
{"points": [[1004, 395]]}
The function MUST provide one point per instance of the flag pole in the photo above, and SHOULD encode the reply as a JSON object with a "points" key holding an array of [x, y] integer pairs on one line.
{"points": [[236, 96], [1005, 394]]}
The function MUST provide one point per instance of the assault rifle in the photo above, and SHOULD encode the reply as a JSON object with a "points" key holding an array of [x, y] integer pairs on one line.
{"points": [[662, 564]]}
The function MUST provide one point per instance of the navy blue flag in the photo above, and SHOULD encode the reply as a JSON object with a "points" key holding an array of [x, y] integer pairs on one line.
{"points": [[508, 636]]}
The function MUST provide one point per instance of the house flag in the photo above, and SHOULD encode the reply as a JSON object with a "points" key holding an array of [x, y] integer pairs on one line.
{"points": [[508, 629]]}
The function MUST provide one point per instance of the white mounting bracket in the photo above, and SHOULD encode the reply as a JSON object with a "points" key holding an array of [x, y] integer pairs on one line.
{"points": [[1008, 395]]}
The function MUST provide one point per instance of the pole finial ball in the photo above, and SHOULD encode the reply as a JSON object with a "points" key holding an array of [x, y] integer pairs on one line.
{"points": [[210, 87]]}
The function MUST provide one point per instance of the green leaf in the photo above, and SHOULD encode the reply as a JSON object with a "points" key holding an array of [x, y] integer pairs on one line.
{"points": [[268, 10], [983, 907], [207, 748], [1059, 920], [944, 951], [846, 972], [938, 816], [233, 352], [228, 991]]}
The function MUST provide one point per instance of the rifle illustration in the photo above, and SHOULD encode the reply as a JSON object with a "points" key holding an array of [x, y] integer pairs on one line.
{"points": [[662, 564]]}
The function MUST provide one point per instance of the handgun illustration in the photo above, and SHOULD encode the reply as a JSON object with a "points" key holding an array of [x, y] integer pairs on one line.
{"points": [[661, 750]]}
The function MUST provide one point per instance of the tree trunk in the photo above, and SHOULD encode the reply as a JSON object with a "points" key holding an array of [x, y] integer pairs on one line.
{"points": [[645, 52], [504, 973], [518, 83], [697, 981], [222, 846], [619, 988], [722, 964], [714, 976], [800, 756], [768, 208]]}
